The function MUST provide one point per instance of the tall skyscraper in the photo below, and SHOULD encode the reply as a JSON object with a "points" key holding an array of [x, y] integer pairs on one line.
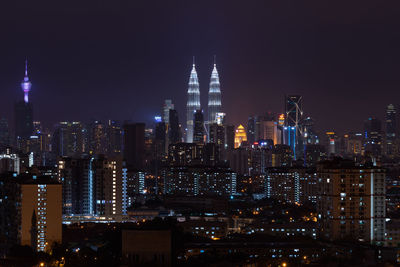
{"points": [[293, 109], [97, 135], [160, 138], [23, 111], [193, 103], [294, 116], [165, 112], [251, 127], [68, 139], [174, 134], [198, 133], [391, 135], [214, 97], [134, 145], [114, 138], [289, 138], [229, 137], [373, 137], [217, 135]]}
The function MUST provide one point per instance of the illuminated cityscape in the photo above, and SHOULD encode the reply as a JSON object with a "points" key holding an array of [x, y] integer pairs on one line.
{"points": [[109, 158]]}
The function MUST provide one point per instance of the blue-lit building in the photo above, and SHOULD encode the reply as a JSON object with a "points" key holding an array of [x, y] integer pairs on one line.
{"points": [[289, 138]]}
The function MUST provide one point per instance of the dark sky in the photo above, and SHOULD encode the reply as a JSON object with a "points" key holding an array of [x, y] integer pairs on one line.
{"points": [[121, 59]]}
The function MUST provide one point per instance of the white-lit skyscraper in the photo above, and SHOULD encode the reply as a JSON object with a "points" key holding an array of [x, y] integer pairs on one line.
{"points": [[193, 103], [214, 96]]}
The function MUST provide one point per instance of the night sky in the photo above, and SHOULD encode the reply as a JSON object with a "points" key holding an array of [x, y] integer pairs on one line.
{"points": [[121, 59]]}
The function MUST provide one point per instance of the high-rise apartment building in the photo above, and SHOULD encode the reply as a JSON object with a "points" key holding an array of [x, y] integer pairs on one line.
{"points": [[193, 181], [193, 154], [391, 131], [30, 211], [92, 185], [292, 185], [351, 201], [41, 213]]}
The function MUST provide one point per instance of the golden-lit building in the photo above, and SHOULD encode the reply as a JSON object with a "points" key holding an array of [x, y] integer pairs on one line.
{"points": [[41, 213], [240, 136], [281, 120]]}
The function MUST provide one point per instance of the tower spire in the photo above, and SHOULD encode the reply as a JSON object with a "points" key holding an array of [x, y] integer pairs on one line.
{"points": [[26, 85], [193, 62], [26, 67], [215, 60]]}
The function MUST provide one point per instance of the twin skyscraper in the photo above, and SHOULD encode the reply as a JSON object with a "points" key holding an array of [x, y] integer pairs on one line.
{"points": [[193, 100]]}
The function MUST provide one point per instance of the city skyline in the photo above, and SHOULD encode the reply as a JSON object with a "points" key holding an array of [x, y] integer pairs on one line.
{"points": [[158, 113], [196, 133], [255, 63]]}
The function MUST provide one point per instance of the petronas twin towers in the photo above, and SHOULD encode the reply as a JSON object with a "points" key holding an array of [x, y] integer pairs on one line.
{"points": [[193, 101]]}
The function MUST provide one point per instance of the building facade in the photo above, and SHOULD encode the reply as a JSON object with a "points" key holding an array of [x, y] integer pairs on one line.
{"points": [[351, 202]]}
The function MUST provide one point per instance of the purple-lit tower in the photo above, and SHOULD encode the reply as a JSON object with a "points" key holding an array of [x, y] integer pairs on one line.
{"points": [[26, 85], [24, 112]]}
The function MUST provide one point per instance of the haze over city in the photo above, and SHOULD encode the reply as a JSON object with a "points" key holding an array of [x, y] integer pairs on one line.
{"points": [[98, 59]]}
